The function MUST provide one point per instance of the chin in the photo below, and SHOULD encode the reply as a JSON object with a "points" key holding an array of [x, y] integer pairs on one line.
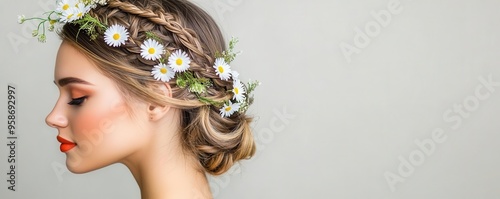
{"points": [[80, 169], [79, 166], [76, 170]]}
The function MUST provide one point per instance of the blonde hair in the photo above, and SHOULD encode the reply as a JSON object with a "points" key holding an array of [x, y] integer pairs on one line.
{"points": [[217, 141]]}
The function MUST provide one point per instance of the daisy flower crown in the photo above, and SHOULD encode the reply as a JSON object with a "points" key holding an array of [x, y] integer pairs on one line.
{"points": [[169, 65]]}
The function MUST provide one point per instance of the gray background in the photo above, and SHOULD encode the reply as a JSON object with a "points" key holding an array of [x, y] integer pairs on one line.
{"points": [[326, 127]]}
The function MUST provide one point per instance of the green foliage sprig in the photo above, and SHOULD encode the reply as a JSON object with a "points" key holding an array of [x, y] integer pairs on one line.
{"points": [[229, 54], [196, 85], [153, 36], [250, 87], [40, 30], [91, 25]]}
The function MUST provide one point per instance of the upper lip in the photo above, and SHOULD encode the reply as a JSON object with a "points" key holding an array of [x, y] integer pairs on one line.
{"points": [[64, 141]]}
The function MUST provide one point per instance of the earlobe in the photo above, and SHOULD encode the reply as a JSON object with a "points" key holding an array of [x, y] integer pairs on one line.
{"points": [[157, 112]]}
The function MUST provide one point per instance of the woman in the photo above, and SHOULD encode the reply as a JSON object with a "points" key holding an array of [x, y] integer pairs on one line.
{"points": [[147, 83]]}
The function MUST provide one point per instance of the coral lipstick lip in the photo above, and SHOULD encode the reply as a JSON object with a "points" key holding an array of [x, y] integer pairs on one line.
{"points": [[65, 144]]}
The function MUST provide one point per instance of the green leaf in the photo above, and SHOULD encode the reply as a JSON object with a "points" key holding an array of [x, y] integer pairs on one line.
{"points": [[90, 25], [152, 35], [181, 82], [229, 54]]}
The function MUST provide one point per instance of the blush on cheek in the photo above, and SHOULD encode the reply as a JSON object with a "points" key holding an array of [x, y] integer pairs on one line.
{"points": [[87, 133], [93, 124]]}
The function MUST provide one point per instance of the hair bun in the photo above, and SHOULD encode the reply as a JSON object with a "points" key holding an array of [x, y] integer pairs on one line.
{"points": [[219, 142]]}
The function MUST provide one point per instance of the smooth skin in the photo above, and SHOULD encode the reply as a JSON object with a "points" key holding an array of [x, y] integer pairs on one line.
{"points": [[92, 112]]}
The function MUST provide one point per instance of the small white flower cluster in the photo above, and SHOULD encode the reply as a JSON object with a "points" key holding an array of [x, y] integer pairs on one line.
{"points": [[178, 62], [224, 71], [71, 10], [66, 11]]}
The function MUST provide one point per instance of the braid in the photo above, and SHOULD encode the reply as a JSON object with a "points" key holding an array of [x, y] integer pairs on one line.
{"points": [[180, 35], [187, 37]]}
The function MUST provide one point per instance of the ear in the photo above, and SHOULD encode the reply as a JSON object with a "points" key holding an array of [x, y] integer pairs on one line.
{"points": [[157, 112]]}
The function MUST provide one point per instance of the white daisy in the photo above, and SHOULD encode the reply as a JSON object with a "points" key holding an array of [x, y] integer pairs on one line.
{"points": [[69, 15], [163, 72], [81, 10], [179, 61], [116, 35], [239, 91], [151, 49], [228, 109], [222, 69], [65, 5], [235, 75]]}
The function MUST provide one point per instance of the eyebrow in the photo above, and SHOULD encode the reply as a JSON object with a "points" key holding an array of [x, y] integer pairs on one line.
{"points": [[71, 80]]}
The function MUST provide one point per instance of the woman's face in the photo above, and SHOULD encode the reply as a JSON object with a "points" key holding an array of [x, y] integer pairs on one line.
{"points": [[92, 114]]}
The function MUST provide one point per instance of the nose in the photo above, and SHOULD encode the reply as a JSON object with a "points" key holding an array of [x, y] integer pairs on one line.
{"points": [[57, 118]]}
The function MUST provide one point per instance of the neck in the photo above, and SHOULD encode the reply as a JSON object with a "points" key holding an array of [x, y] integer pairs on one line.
{"points": [[163, 170]]}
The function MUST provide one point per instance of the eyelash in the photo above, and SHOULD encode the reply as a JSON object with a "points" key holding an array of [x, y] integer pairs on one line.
{"points": [[77, 101]]}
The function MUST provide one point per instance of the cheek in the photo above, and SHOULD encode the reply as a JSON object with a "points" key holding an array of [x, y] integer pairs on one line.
{"points": [[95, 121], [104, 134]]}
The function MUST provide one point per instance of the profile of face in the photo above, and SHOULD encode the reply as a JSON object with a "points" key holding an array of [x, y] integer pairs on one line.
{"points": [[96, 126]]}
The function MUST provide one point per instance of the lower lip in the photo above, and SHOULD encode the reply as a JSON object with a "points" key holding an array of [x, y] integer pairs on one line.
{"points": [[66, 147]]}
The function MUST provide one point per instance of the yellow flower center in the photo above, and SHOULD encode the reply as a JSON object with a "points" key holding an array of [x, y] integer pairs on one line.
{"points": [[69, 16], [221, 69], [178, 61], [163, 71], [228, 108], [116, 36], [65, 7], [151, 51], [80, 14], [236, 91]]}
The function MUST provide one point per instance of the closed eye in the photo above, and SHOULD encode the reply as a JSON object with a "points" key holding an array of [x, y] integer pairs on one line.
{"points": [[77, 101]]}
